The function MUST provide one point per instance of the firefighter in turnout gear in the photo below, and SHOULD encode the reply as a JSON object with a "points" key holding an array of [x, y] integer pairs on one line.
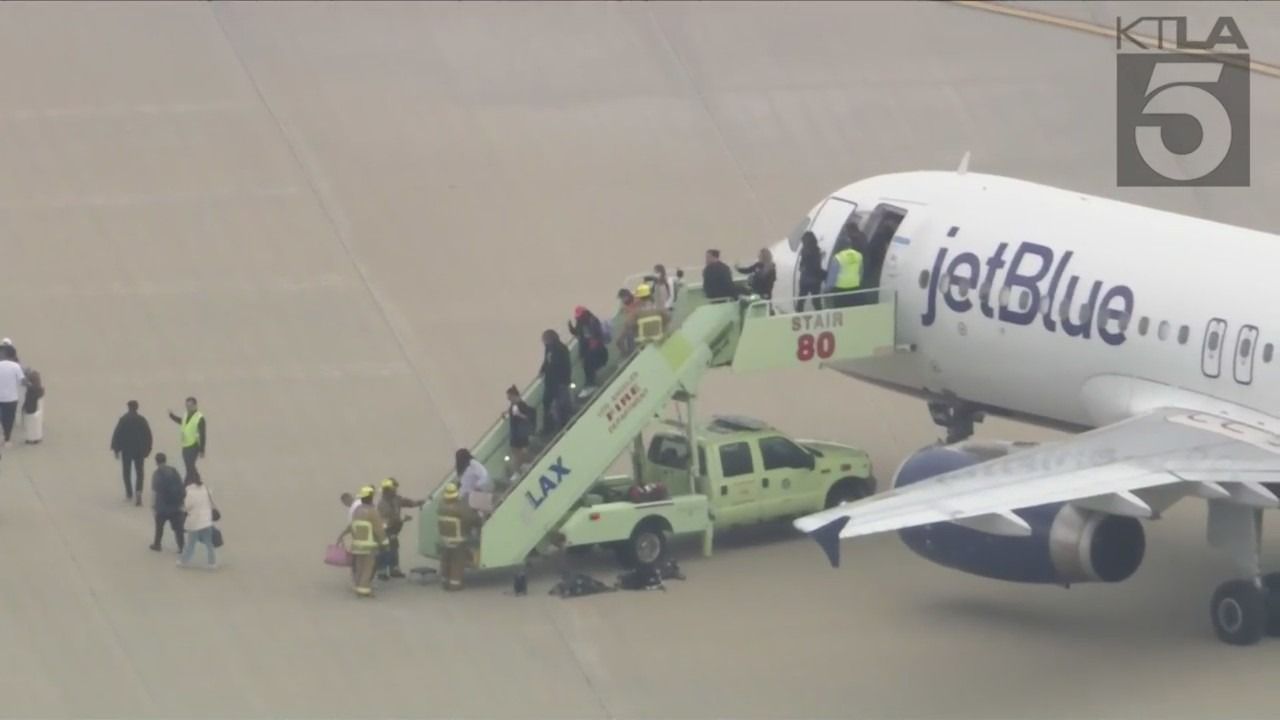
{"points": [[456, 519], [391, 506], [368, 538]]}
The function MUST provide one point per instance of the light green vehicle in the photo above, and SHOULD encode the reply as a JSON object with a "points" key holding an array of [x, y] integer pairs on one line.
{"points": [[747, 473]]}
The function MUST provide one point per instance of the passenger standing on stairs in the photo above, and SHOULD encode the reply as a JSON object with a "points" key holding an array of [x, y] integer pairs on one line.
{"points": [[630, 309], [473, 477], [522, 419], [761, 275], [557, 370], [664, 290], [592, 345], [812, 273], [717, 278]]}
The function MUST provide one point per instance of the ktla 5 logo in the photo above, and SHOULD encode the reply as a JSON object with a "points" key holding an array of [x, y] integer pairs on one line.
{"points": [[1182, 106]]}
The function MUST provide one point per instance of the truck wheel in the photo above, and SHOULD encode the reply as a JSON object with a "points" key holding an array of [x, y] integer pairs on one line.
{"points": [[847, 490], [647, 545]]}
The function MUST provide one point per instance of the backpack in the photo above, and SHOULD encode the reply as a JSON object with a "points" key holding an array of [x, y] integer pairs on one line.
{"points": [[650, 577], [577, 585], [645, 577]]}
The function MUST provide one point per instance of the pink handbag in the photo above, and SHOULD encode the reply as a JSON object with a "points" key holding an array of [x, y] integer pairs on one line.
{"points": [[337, 555]]}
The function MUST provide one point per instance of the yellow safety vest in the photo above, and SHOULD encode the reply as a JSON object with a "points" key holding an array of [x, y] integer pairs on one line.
{"points": [[649, 325], [191, 430], [450, 529], [363, 541], [850, 277]]}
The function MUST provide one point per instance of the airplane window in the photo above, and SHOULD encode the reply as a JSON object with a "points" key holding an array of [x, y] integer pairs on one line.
{"points": [[1143, 325], [1267, 351], [962, 285], [1246, 347], [1004, 296], [924, 279], [1024, 302], [1163, 331], [944, 283], [1124, 321], [1213, 341], [1184, 332]]}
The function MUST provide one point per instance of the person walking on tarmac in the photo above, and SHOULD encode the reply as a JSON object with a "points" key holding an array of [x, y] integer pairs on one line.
{"points": [[131, 443], [368, 538], [592, 344], [557, 369], [391, 507], [844, 274], [455, 520], [170, 498], [194, 435]]}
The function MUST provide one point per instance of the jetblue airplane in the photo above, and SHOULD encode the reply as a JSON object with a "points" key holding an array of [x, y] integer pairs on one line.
{"points": [[1043, 305]]}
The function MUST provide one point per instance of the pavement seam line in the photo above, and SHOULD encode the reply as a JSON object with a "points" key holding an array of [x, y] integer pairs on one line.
{"points": [[335, 228]]}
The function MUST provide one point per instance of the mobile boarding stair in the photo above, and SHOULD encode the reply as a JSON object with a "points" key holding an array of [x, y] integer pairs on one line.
{"points": [[748, 335]]}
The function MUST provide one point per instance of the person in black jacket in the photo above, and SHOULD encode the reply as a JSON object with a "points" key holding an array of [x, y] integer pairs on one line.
{"points": [[591, 343], [812, 272], [717, 278], [169, 491], [131, 443], [523, 419], [762, 274], [557, 370]]}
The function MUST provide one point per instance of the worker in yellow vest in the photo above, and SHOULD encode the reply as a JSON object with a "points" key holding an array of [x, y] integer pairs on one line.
{"points": [[646, 317], [368, 539], [194, 435], [843, 275], [455, 520]]}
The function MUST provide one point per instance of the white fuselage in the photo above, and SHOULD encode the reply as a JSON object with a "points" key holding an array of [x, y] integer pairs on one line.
{"points": [[1065, 308]]}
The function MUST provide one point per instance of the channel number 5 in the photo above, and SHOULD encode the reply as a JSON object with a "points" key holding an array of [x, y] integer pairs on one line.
{"points": [[1175, 89]]}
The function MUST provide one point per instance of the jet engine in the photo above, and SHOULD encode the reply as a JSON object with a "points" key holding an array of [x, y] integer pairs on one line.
{"points": [[1067, 544]]}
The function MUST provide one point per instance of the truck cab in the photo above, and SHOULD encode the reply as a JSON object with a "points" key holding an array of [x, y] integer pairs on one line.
{"points": [[751, 472], [746, 472]]}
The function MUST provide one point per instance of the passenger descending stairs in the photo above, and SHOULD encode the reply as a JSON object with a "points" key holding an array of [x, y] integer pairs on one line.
{"points": [[746, 336]]}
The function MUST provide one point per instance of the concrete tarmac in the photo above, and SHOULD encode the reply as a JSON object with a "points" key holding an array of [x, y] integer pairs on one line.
{"points": [[343, 226]]}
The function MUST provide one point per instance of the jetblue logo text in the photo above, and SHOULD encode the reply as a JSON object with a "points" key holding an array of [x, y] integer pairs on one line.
{"points": [[1181, 119], [1030, 266], [547, 485]]}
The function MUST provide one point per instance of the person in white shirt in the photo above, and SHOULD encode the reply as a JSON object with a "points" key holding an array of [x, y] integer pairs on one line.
{"points": [[12, 380], [199, 522], [473, 478]]}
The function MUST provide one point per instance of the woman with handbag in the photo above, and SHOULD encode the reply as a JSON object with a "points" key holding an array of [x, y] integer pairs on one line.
{"points": [[201, 514]]}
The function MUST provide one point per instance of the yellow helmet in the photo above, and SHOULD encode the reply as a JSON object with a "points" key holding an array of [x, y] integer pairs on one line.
{"points": [[451, 492], [390, 484], [643, 290], [366, 492]]}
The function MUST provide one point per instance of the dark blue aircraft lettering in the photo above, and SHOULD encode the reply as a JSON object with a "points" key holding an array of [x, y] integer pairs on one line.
{"points": [[1029, 267], [546, 485]]}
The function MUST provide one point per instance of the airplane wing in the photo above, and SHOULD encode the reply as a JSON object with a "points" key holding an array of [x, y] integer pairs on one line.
{"points": [[1203, 454]]}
